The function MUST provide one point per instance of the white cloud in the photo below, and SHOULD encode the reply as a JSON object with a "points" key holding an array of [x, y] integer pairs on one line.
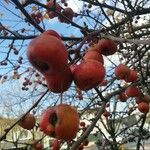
{"points": [[75, 5]]}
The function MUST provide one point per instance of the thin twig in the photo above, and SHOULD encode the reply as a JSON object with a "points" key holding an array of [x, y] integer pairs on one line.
{"points": [[3, 136]]}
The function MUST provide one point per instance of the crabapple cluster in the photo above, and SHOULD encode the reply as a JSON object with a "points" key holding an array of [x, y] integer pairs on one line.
{"points": [[91, 68], [3, 31], [65, 15], [49, 56], [37, 16], [37, 145], [123, 72], [83, 127]]}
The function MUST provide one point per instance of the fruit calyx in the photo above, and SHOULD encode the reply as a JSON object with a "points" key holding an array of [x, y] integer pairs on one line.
{"points": [[53, 119], [43, 67]]}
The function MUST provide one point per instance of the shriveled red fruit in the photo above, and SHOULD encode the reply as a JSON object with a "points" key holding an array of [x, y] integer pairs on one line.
{"points": [[81, 147], [61, 118], [94, 55], [132, 77], [51, 14], [59, 82], [37, 17], [86, 142], [79, 96], [38, 146], [132, 91], [106, 114], [143, 107], [67, 12], [107, 47], [88, 74], [52, 33], [51, 5], [82, 124], [56, 144], [47, 54], [27, 122], [122, 97], [122, 71]]}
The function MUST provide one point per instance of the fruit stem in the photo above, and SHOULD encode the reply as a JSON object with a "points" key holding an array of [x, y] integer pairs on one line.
{"points": [[61, 95]]}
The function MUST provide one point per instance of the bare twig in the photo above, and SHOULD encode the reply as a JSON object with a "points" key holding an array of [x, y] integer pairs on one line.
{"points": [[89, 129], [3, 136]]}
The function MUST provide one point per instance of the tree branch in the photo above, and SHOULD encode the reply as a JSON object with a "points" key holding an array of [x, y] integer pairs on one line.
{"points": [[21, 8], [89, 129], [3, 136]]}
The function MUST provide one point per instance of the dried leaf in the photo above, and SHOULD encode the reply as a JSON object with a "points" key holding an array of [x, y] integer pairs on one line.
{"points": [[34, 8], [110, 12], [45, 16]]}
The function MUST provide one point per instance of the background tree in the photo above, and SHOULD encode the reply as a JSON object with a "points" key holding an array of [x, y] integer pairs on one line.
{"points": [[82, 25]]}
